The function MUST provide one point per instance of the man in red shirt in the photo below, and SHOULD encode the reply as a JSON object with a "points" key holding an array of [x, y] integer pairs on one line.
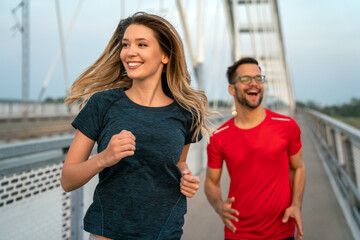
{"points": [[260, 149]]}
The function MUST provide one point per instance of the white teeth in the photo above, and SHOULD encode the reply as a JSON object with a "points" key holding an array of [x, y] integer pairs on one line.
{"points": [[134, 64]]}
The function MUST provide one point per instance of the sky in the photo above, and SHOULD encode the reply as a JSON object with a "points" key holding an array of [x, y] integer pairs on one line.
{"points": [[321, 40]]}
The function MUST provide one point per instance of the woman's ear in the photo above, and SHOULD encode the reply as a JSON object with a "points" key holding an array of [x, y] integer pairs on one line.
{"points": [[165, 59]]}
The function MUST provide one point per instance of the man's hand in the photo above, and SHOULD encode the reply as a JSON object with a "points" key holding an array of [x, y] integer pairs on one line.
{"points": [[189, 183], [227, 214], [295, 213]]}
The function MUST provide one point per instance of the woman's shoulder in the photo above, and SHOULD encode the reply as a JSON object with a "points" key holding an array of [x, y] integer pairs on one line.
{"points": [[106, 96], [109, 93], [185, 110]]}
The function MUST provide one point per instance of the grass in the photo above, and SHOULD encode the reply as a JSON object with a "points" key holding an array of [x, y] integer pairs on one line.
{"points": [[353, 121]]}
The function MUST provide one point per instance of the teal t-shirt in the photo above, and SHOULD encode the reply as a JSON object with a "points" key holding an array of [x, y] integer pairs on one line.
{"points": [[139, 197]]}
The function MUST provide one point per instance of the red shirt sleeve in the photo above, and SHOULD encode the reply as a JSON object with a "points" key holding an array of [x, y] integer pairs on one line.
{"points": [[214, 153], [295, 139]]}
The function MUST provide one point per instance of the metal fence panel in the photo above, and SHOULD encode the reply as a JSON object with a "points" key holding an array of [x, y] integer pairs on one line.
{"points": [[31, 204]]}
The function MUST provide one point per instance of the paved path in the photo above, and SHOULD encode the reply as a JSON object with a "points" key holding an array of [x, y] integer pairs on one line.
{"points": [[322, 216]]}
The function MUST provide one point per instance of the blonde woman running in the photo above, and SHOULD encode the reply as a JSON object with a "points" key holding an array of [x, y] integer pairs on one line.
{"points": [[141, 110]]}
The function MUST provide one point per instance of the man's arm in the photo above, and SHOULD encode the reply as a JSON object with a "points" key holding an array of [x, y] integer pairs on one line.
{"points": [[213, 194], [298, 184]]}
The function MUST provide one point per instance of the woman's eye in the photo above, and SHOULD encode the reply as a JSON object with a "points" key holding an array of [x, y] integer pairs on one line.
{"points": [[125, 44], [142, 45]]}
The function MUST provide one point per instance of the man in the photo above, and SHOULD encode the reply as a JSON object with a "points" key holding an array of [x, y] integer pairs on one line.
{"points": [[260, 149]]}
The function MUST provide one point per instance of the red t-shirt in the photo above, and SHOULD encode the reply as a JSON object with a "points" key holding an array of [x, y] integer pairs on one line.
{"points": [[258, 163]]}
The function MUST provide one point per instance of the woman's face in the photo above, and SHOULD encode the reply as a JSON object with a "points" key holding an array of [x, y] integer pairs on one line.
{"points": [[141, 54]]}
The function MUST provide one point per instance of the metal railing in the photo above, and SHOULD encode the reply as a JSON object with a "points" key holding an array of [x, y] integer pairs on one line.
{"points": [[19, 128], [33, 204], [15, 109], [339, 145]]}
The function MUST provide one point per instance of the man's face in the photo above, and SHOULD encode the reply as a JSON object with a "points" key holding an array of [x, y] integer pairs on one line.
{"points": [[248, 94]]}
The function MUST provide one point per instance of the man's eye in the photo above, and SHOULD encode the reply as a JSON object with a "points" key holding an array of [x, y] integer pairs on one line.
{"points": [[245, 79]]}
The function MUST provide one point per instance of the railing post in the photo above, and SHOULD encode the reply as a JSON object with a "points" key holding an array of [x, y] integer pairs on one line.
{"points": [[77, 204], [351, 171], [339, 147], [349, 162]]}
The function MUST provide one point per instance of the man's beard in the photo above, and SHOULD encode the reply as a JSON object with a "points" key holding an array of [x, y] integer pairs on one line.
{"points": [[241, 98]]}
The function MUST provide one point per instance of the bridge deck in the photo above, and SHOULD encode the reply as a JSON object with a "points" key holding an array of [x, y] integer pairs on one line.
{"points": [[322, 215]]}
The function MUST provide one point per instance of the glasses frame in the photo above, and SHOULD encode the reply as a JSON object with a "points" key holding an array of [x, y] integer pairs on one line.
{"points": [[247, 82]]}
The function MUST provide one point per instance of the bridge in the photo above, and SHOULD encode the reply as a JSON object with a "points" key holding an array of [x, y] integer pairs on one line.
{"points": [[35, 137]]}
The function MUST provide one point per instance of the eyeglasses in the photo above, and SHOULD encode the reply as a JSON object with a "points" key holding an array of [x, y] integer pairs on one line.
{"points": [[260, 79]]}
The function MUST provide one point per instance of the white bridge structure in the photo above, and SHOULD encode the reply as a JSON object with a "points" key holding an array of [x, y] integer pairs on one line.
{"points": [[216, 33]]}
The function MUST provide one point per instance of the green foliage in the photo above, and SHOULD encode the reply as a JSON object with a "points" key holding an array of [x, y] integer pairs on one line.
{"points": [[353, 121], [348, 112], [56, 100], [300, 104], [351, 109]]}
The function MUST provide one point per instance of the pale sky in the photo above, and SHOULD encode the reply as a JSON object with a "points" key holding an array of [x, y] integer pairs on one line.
{"points": [[322, 44], [322, 41]]}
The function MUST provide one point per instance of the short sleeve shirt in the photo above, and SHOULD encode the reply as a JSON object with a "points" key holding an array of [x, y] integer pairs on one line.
{"points": [[258, 163], [139, 197]]}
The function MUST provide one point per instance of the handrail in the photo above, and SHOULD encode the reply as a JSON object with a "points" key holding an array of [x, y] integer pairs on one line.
{"points": [[340, 146], [35, 146], [350, 131], [32, 170]]}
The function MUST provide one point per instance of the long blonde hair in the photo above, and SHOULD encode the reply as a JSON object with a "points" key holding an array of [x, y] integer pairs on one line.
{"points": [[108, 71]]}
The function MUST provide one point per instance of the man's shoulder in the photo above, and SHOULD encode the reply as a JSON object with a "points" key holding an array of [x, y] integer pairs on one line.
{"points": [[223, 129], [273, 116], [280, 119]]}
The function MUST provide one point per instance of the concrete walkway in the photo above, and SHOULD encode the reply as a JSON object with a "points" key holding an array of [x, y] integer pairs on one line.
{"points": [[322, 215]]}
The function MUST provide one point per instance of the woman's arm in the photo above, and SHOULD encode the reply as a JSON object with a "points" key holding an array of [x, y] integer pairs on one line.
{"points": [[189, 183], [78, 169]]}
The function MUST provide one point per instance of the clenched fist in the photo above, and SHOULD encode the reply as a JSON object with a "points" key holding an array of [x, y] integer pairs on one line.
{"points": [[120, 146]]}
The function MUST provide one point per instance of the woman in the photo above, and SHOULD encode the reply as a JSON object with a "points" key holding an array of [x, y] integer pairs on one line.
{"points": [[143, 114]]}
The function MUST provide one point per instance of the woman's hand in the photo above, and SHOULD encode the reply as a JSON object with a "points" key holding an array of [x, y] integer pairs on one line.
{"points": [[189, 183], [120, 146]]}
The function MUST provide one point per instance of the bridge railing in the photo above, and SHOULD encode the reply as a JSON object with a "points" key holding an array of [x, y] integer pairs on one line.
{"points": [[339, 143], [33, 204], [16, 109]]}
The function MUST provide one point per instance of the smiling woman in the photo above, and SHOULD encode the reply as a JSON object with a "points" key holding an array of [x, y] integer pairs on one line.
{"points": [[142, 56], [143, 114]]}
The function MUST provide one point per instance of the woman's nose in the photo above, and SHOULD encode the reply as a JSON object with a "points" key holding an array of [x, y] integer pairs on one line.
{"points": [[131, 51]]}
